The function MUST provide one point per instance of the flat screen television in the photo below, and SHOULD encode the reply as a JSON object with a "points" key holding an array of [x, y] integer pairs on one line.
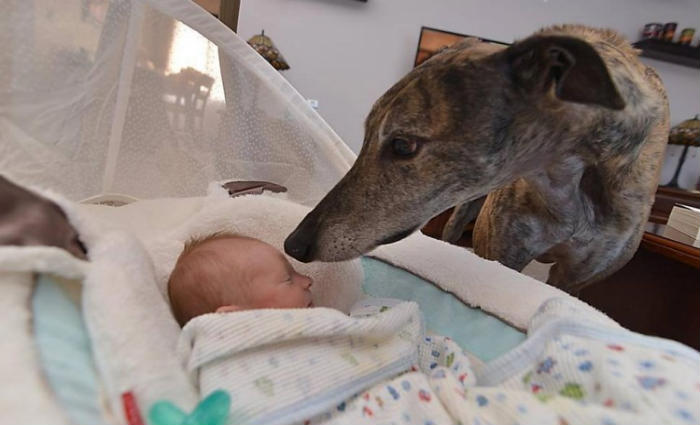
{"points": [[432, 40]]}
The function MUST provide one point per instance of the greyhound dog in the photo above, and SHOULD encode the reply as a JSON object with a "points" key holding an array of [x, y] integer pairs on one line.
{"points": [[565, 131]]}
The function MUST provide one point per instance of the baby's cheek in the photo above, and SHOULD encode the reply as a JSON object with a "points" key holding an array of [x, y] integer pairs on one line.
{"points": [[269, 298], [301, 298]]}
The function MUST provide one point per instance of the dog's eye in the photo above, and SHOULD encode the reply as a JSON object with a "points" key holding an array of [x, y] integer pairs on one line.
{"points": [[403, 147]]}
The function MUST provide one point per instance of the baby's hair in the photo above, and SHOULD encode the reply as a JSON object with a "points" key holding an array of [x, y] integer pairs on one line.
{"points": [[193, 287], [196, 241]]}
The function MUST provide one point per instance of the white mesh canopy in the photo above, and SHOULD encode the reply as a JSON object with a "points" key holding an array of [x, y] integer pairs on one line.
{"points": [[150, 98]]}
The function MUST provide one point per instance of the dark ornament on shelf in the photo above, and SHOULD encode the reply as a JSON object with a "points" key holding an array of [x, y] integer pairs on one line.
{"points": [[687, 134]]}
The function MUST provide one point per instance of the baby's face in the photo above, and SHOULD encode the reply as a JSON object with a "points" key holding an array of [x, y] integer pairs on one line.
{"points": [[272, 282]]}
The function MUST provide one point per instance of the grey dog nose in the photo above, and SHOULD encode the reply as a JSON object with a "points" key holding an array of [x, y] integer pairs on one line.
{"points": [[299, 244]]}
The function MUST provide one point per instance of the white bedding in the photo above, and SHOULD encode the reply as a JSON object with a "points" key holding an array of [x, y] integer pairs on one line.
{"points": [[132, 330]]}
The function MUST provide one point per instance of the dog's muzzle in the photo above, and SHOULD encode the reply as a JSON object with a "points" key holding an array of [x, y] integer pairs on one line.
{"points": [[301, 243], [398, 236]]}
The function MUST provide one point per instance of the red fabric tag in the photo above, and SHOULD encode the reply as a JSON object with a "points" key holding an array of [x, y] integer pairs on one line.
{"points": [[131, 409]]}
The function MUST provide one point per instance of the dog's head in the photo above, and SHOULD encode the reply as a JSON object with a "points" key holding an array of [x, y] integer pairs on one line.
{"points": [[468, 120]]}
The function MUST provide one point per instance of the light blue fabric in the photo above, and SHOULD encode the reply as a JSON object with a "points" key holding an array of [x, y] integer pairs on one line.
{"points": [[64, 350], [476, 331]]}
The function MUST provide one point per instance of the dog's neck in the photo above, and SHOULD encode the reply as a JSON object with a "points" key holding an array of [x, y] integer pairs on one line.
{"points": [[576, 191], [559, 185]]}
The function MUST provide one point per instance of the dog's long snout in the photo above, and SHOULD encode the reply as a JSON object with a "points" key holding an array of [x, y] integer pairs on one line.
{"points": [[300, 244]]}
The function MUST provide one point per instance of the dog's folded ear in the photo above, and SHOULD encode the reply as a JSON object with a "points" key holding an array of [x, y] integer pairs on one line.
{"points": [[571, 64]]}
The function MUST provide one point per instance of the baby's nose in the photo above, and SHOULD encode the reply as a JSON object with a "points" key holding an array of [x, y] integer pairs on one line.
{"points": [[308, 282]]}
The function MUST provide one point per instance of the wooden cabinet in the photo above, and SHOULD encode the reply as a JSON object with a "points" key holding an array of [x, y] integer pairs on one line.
{"points": [[654, 294], [658, 291]]}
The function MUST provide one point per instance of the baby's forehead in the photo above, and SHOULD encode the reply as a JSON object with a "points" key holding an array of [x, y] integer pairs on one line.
{"points": [[230, 241], [242, 247]]}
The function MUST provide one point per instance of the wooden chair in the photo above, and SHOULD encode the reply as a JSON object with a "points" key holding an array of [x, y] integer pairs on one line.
{"points": [[190, 90]]}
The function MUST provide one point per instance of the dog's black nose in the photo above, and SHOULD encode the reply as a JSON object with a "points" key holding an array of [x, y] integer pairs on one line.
{"points": [[299, 244]]}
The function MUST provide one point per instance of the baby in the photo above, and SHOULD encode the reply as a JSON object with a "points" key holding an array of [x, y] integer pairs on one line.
{"points": [[226, 272], [282, 363], [278, 359]]}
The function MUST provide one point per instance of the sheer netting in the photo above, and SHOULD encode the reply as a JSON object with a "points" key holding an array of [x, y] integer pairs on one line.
{"points": [[150, 98]]}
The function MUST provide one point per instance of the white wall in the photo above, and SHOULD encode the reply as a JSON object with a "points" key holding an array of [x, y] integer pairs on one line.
{"points": [[346, 53]]}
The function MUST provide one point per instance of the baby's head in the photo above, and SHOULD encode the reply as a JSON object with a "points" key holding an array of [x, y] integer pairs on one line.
{"points": [[225, 272]]}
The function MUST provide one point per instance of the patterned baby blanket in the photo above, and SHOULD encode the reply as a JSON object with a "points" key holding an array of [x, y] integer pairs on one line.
{"points": [[286, 365]]}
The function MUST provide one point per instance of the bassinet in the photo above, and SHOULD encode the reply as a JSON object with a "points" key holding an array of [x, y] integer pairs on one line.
{"points": [[125, 100]]}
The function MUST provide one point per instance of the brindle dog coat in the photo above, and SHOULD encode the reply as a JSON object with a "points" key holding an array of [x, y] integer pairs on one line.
{"points": [[565, 131]]}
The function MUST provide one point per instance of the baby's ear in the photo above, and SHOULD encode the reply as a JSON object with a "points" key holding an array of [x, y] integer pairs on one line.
{"points": [[228, 308]]}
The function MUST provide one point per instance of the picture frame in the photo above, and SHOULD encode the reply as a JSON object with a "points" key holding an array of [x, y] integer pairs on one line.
{"points": [[432, 40]]}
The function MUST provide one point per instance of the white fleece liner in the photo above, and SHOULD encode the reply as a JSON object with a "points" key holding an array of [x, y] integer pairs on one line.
{"points": [[25, 398], [488, 285], [130, 325]]}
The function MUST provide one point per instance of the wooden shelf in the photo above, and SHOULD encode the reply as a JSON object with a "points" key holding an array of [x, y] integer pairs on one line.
{"points": [[677, 251], [670, 52], [666, 198]]}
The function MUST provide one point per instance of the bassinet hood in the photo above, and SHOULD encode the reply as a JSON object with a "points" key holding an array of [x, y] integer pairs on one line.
{"points": [[152, 99]]}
